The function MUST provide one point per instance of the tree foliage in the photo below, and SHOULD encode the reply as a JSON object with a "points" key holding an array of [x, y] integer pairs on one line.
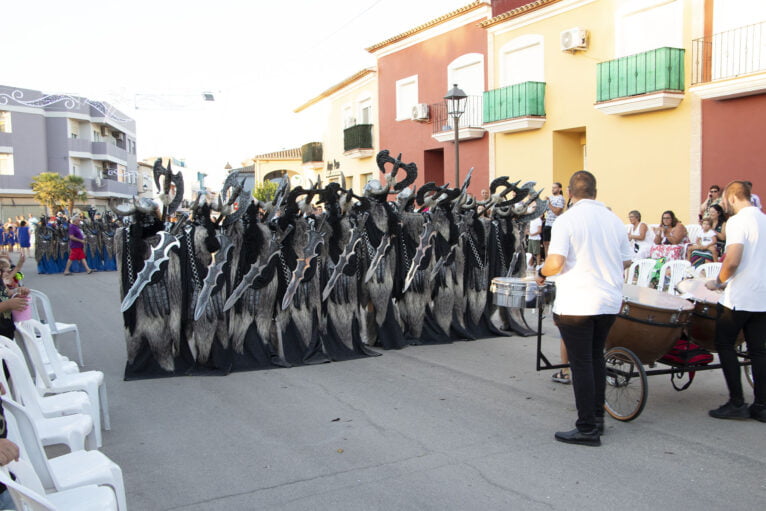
{"points": [[54, 191], [48, 187], [265, 191]]}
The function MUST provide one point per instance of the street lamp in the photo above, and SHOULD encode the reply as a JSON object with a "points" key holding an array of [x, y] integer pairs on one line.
{"points": [[455, 101]]}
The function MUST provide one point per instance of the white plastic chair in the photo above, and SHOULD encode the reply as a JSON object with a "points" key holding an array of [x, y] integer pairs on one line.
{"points": [[640, 272], [708, 270], [65, 403], [693, 231], [73, 470], [71, 430], [27, 492], [43, 311], [677, 272], [91, 382]]}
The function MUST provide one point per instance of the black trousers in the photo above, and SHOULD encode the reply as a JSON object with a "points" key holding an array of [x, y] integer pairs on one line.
{"points": [[727, 327], [584, 338]]}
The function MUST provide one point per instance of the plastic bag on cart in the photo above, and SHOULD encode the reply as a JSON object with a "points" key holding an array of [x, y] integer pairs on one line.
{"points": [[686, 353]]}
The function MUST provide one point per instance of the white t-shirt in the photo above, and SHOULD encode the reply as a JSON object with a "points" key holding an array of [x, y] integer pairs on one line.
{"points": [[593, 241], [535, 225], [556, 201], [746, 290], [706, 238]]}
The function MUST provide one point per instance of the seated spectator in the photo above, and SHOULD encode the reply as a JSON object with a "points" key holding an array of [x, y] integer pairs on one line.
{"points": [[704, 250], [670, 231], [718, 224], [639, 236], [669, 238]]}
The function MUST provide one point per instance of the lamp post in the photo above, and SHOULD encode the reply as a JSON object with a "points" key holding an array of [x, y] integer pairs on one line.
{"points": [[455, 101]]}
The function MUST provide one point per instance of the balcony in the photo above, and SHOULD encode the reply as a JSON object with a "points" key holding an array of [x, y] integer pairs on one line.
{"points": [[6, 139], [357, 141], [110, 150], [518, 107], [653, 80], [470, 125], [730, 64], [79, 145]]}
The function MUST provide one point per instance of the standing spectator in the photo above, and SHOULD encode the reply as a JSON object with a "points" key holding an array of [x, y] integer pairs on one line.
{"points": [[535, 235], [76, 244], [742, 307], [590, 251], [713, 197], [754, 199], [555, 208], [24, 238]]}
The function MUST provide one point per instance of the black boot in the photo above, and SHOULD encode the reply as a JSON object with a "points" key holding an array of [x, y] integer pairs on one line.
{"points": [[575, 436]]}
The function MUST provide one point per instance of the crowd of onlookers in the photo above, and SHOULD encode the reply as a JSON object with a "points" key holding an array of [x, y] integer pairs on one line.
{"points": [[701, 242], [16, 235]]}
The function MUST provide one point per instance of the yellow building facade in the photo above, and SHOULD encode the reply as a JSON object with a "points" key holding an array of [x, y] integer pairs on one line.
{"points": [[614, 76], [350, 138]]}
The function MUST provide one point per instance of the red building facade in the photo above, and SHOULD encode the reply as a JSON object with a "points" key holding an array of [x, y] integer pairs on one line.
{"points": [[415, 71]]}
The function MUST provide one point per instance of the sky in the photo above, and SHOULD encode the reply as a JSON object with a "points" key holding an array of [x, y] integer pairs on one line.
{"points": [[154, 60]]}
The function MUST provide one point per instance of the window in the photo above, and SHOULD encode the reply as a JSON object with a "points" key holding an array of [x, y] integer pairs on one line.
{"points": [[406, 97], [643, 25], [467, 71], [522, 60], [365, 111], [74, 129], [348, 117], [96, 136], [6, 164], [363, 180], [5, 122]]}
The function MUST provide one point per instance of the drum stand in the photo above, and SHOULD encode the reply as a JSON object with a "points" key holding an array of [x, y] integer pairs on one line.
{"points": [[542, 361]]}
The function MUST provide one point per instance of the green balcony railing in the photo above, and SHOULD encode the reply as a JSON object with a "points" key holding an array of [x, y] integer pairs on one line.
{"points": [[357, 137], [311, 152], [520, 100], [656, 70]]}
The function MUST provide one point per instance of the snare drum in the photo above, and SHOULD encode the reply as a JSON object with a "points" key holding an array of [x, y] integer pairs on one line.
{"points": [[649, 323], [701, 327], [521, 293]]}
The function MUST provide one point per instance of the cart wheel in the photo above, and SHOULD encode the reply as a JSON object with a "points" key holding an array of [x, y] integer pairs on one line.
{"points": [[748, 368], [626, 385]]}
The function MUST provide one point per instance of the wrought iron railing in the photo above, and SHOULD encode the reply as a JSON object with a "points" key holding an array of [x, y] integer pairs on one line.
{"points": [[471, 118], [729, 54], [651, 71], [357, 137], [520, 100]]}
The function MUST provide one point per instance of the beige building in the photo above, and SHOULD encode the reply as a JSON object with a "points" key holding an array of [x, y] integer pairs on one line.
{"points": [[350, 139]]}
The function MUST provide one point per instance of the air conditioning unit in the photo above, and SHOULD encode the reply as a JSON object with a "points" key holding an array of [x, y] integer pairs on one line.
{"points": [[420, 112], [104, 131], [574, 39]]}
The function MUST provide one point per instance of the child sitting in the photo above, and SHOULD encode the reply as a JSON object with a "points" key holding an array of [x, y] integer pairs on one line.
{"points": [[704, 250]]}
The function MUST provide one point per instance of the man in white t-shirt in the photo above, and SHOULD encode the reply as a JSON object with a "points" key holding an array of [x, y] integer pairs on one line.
{"points": [[555, 208], [589, 252], [743, 304]]}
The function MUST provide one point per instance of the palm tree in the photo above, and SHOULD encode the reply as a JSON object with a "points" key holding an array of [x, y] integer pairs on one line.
{"points": [[48, 187], [73, 189]]}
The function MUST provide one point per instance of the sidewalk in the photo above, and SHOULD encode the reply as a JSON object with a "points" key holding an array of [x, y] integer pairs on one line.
{"points": [[462, 426]]}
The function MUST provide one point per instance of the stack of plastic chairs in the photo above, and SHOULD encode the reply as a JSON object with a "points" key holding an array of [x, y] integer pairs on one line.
{"points": [[671, 274], [708, 270], [42, 310], [65, 413], [640, 272]]}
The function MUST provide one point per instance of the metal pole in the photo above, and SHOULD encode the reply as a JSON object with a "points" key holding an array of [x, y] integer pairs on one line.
{"points": [[456, 120]]}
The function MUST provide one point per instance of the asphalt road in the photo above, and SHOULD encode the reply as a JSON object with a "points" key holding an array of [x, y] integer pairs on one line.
{"points": [[463, 426]]}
